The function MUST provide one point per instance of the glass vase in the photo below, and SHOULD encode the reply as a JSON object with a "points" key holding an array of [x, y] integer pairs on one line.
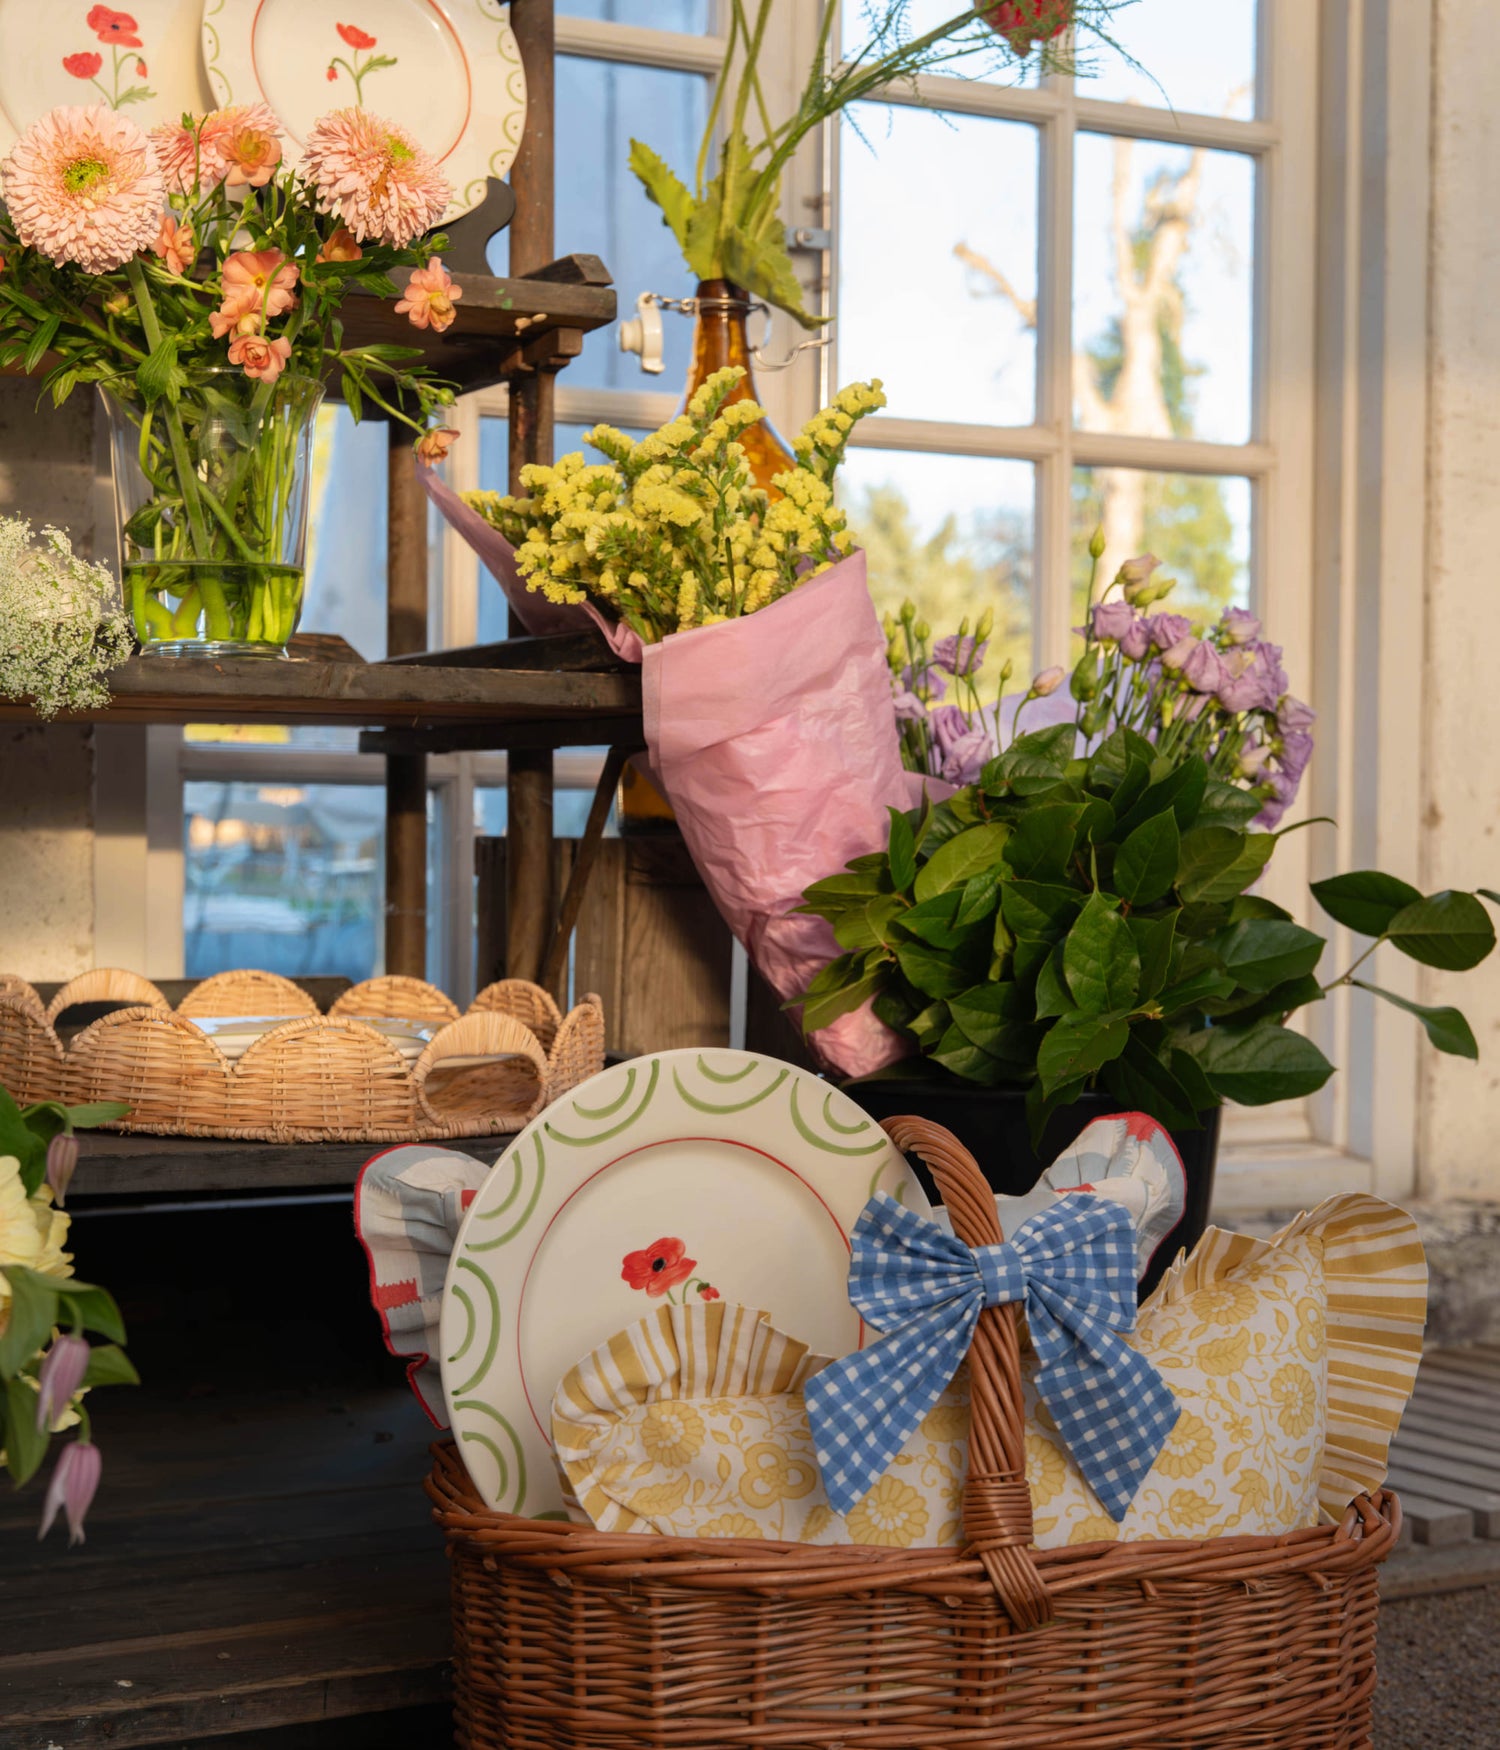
{"points": [[211, 493]]}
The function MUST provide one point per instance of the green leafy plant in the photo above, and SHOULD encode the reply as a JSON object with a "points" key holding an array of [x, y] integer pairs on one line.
{"points": [[47, 1365], [1073, 922]]}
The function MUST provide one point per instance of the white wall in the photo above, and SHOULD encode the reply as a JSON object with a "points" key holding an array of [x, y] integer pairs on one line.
{"points": [[1459, 1138]]}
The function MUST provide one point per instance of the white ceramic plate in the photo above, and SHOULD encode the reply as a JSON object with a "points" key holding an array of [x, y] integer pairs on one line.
{"points": [[235, 1034], [722, 1169], [448, 70], [37, 38]]}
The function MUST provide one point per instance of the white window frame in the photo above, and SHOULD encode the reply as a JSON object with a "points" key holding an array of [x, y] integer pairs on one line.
{"points": [[1340, 140]]}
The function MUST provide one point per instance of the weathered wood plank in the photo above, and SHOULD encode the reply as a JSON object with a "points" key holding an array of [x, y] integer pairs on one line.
{"points": [[1484, 1504], [1432, 1464], [579, 730], [574, 651], [1415, 1442], [1436, 1523]]}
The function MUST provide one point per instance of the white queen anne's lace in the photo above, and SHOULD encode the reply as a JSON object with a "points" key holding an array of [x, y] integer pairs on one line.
{"points": [[61, 624]]}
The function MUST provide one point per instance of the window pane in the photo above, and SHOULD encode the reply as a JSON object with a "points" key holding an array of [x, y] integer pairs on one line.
{"points": [[346, 528], [286, 877], [687, 15], [1183, 63], [1198, 525], [938, 262], [953, 533], [1163, 254], [602, 209]]}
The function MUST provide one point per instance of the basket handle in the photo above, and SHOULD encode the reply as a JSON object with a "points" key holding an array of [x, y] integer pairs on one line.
{"points": [[997, 1501]]}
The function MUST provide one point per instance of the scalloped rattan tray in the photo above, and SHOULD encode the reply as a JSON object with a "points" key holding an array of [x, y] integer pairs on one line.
{"points": [[313, 1078]]}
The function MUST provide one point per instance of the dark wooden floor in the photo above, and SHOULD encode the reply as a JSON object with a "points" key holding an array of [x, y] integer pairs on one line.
{"points": [[259, 1559]]}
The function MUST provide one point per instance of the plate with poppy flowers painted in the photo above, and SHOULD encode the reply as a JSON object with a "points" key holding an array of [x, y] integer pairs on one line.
{"points": [[448, 71], [141, 59], [683, 1177]]}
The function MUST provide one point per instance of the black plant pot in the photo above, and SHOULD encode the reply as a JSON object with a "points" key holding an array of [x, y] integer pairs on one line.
{"points": [[991, 1124]]}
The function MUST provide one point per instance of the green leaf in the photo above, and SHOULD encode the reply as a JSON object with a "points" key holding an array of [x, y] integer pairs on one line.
{"points": [[353, 398], [995, 1016], [1261, 952], [1365, 900], [666, 188], [981, 895], [1252, 905], [97, 1112], [160, 377], [1227, 805], [903, 851], [1193, 1082], [1143, 1083], [845, 892], [1146, 863], [1040, 1106], [930, 1024], [1446, 1028], [1277, 1003], [1490, 894], [25, 1443], [1053, 997], [1113, 758], [17, 1138], [1100, 960], [1039, 910], [1154, 937], [762, 264], [33, 1313], [963, 1058], [870, 926], [1180, 790], [1258, 1065], [955, 863], [46, 333], [933, 972], [1217, 864], [842, 985], [1195, 988], [1042, 842], [1033, 762], [110, 1365], [93, 1308], [1078, 1045], [935, 921], [1448, 930]]}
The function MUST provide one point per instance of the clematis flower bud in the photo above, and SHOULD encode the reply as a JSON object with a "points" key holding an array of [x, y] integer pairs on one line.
{"points": [[62, 1162], [1046, 683], [1096, 543], [63, 1368], [1134, 576], [75, 1477]]}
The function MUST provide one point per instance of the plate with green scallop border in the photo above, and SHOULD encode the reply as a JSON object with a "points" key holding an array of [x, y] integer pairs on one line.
{"points": [[684, 1176]]}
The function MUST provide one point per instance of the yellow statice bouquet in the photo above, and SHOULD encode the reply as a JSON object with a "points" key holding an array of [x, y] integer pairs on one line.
{"points": [[672, 533]]}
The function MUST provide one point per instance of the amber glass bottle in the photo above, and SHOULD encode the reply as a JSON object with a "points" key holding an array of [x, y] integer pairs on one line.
{"points": [[719, 339]]}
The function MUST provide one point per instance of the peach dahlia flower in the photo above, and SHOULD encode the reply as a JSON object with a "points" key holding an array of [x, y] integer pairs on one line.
{"points": [[83, 185], [374, 176]]}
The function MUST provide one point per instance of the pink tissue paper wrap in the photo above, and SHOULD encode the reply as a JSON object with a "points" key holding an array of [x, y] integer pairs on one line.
{"points": [[774, 739]]}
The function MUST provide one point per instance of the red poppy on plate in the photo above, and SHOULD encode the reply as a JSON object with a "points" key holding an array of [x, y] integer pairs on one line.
{"points": [[355, 37], [85, 65], [114, 27], [661, 1266]]}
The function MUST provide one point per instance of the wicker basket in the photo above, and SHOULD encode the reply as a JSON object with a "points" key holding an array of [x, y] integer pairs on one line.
{"points": [[570, 1639]]}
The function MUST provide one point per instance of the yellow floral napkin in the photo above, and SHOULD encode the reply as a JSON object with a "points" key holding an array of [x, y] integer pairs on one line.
{"points": [[1292, 1358]]}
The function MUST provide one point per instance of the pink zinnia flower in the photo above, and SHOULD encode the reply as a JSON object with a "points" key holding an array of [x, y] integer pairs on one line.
{"points": [[175, 244], [182, 162], [340, 247], [245, 144], [83, 185], [262, 359], [374, 176], [433, 446], [430, 296], [75, 1477], [259, 281]]}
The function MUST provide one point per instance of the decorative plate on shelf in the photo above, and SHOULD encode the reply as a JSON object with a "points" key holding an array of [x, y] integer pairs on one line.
{"points": [[447, 70], [690, 1175], [141, 58]]}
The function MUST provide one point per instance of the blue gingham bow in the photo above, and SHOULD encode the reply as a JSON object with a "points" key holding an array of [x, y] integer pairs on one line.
{"points": [[1074, 1267]]}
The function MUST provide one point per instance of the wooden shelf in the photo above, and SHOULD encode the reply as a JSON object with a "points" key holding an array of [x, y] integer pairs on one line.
{"points": [[518, 707], [505, 327], [113, 1165]]}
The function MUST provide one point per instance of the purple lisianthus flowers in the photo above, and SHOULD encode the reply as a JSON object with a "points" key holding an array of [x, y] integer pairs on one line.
{"points": [[961, 752], [1240, 626], [958, 655], [1112, 620], [1204, 668], [1169, 629], [1293, 714], [909, 708], [1135, 641]]}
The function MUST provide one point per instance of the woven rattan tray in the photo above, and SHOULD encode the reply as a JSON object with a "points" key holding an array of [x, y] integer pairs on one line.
{"points": [[313, 1078]]}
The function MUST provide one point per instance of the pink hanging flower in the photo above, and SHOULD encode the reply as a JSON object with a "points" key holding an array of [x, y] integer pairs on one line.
{"points": [[374, 176], [340, 247], [75, 1477], [433, 446], [83, 185], [430, 296], [245, 144], [62, 1371], [85, 65], [62, 1163], [260, 358], [175, 244], [260, 281]]}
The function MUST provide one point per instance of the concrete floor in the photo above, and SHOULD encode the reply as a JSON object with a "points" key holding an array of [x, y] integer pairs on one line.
{"points": [[1440, 1672]]}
